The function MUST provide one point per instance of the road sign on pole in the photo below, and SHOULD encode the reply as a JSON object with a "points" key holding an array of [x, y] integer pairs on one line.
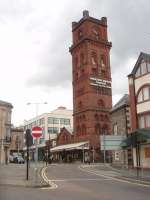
{"points": [[36, 131], [29, 142]]}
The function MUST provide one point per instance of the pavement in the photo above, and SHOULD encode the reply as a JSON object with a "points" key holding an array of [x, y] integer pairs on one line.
{"points": [[15, 175], [141, 176]]}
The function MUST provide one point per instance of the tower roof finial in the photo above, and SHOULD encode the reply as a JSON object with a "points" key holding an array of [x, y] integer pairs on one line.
{"points": [[85, 14]]}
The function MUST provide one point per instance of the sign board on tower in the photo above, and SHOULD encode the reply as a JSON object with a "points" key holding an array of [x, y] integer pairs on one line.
{"points": [[36, 131]]}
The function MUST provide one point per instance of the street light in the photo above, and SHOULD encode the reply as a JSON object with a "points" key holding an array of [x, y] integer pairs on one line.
{"points": [[36, 106], [36, 141]]}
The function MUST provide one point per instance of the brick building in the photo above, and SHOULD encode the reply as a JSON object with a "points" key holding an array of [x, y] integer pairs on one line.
{"points": [[92, 95]]}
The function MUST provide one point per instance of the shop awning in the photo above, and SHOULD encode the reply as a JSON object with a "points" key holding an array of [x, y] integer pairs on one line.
{"points": [[137, 137], [69, 147]]}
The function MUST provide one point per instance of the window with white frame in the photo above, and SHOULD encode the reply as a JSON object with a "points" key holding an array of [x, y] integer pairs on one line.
{"points": [[143, 68], [115, 129], [144, 94], [144, 120]]}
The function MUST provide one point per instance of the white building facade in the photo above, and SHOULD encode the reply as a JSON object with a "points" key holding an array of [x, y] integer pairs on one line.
{"points": [[139, 88], [51, 123]]}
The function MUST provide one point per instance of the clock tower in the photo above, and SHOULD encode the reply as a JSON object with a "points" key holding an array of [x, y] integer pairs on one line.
{"points": [[92, 94]]}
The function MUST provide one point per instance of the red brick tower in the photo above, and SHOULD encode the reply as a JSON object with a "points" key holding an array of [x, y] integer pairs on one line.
{"points": [[92, 96]]}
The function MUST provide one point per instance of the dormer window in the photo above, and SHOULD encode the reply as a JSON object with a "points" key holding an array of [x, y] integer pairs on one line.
{"points": [[143, 68]]}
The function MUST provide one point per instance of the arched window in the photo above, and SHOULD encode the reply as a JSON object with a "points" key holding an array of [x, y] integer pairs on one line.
{"points": [[143, 94], [96, 116], [94, 58], [80, 35], [95, 33], [105, 129], [102, 62]]}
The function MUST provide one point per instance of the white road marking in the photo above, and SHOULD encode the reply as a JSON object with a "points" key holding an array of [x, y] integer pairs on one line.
{"points": [[112, 178], [79, 179], [51, 184]]}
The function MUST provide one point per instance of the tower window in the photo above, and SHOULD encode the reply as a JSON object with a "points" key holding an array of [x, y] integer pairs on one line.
{"points": [[102, 62], [94, 58], [80, 35], [95, 33]]}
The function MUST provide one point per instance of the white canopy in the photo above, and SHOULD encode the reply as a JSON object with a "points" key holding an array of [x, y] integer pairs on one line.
{"points": [[73, 146]]}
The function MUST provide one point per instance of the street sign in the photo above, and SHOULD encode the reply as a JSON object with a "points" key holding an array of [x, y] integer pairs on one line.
{"points": [[111, 142], [36, 131]]}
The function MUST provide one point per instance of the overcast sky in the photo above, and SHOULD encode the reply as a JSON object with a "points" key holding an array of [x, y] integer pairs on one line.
{"points": [[35, 36]]}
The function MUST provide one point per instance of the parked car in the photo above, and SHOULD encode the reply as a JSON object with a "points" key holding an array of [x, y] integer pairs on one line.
{"points": [[19, 160]]}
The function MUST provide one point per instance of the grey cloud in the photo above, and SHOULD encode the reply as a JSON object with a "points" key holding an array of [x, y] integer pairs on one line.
{"points": [[127, 29]]}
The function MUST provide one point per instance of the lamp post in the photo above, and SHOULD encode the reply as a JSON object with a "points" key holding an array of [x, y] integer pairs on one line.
{"points": [[36, 140]]}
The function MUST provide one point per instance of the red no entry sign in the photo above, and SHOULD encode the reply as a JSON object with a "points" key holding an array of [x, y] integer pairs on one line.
{"points": [[36, 131]]}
